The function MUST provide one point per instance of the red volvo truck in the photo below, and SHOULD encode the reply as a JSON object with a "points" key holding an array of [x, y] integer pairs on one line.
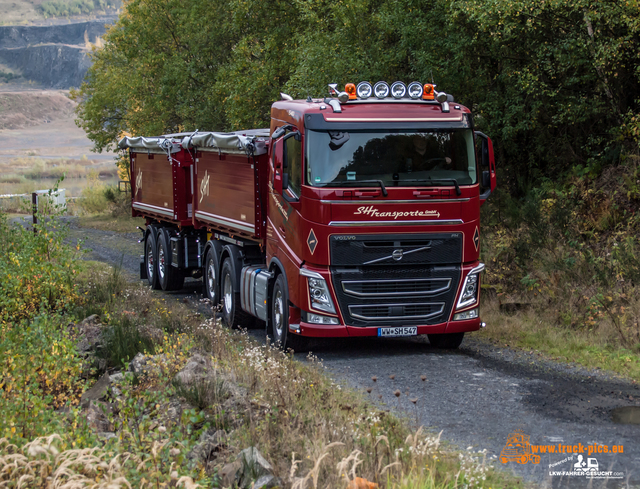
{"points": [[353, 215]]}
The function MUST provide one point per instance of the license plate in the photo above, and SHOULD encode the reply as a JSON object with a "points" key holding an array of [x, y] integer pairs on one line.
{"points": [[400, 331]]}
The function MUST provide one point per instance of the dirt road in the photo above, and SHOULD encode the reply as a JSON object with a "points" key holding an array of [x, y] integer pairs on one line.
{"points": [[477, 396]]}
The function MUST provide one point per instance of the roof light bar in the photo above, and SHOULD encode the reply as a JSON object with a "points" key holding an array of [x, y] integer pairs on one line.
{"points": [[381, 90]]}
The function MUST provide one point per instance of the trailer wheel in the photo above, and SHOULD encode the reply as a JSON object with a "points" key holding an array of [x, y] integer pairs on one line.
{"points": [[150, 258], [449, 341], [211, 282], [232, 314], [280, 319], [169, 277]]}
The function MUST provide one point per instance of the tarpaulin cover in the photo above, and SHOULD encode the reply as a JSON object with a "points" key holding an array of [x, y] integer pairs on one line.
{"points": [[240, 142]]}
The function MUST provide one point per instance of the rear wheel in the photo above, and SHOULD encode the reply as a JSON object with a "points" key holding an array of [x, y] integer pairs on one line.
{"points": [[169, 277], [282, 337], [211, 285], [449, 341], [232, 313], [150, 258]]}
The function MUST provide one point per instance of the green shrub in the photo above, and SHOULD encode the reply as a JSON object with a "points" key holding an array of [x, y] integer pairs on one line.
{"points": [[123, 341], [37, 271]]}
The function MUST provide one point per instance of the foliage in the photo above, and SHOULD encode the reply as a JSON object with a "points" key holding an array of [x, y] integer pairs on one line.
{"points": [[38, 270], [553, 83]]}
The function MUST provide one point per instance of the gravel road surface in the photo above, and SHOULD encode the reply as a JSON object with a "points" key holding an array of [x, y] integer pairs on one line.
{"points": [[476, 396]]}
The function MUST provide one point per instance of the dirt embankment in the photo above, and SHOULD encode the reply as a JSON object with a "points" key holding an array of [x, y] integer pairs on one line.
{"points": [[25, 109]]}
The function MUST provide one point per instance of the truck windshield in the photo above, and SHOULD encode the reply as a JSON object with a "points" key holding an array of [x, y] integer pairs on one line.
{"points": [[407, 159]]}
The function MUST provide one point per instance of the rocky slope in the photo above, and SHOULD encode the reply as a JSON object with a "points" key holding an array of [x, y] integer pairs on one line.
{"points": [[53, 56]]}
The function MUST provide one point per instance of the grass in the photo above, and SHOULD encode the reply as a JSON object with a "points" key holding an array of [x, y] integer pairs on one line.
{"points": [[535, 330], [107, 222], [314, 432]]}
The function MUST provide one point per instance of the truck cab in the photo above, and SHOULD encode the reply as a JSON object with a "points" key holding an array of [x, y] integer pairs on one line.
{"points": [[374, 215]]}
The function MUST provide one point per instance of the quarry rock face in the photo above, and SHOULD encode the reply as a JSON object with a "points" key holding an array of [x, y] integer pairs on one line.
{"points": [[53, 56], [76, 34]]}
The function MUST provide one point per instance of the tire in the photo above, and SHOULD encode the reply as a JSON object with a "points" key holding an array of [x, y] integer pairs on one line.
{"points": [[232, 314], [210, 277], [280, 319], [150, 253], [169, 277], [448, 341]]}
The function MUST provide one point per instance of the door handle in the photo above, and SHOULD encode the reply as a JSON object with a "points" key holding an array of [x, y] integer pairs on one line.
{"points": [[282, 231], [365, 195]]}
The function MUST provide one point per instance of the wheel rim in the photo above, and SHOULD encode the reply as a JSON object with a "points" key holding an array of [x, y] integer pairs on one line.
{"points": [[161, 261], [228, 294], [211, 280], [278, 314], [150, 258]]}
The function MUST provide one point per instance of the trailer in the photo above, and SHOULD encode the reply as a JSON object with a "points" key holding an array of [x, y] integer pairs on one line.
{"points": [[352, 215]]}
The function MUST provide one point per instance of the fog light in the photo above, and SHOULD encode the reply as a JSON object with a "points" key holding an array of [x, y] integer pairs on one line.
{"points": [[318, 319], [461, 316]]}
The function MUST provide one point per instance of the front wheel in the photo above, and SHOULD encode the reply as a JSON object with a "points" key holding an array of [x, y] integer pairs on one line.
{"points": [[280, 319], [448, 341]]}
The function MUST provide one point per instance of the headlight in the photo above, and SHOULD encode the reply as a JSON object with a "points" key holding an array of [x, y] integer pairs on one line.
{"points": [[469, 292], [381, 89], [318, 291], [398, 89], [364, 90]]}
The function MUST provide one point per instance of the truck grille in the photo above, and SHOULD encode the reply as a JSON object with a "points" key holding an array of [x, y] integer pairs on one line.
{"points": [[395, 295], [396, 250], [400, 287]]}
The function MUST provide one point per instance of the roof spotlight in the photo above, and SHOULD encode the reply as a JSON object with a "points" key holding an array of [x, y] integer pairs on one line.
{"points": [[398, 89], [381, 89], [415, 90], [364, 90], [441, 97]]}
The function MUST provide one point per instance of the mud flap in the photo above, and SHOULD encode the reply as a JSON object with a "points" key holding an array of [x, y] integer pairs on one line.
{"points": [[143, 268]]}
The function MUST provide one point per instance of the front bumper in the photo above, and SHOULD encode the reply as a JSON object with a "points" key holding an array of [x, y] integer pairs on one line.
{"points": [[344, 331]]}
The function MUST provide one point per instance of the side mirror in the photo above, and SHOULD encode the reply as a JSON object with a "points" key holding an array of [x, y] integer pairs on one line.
{"points": [[488, 165], [486, 179]]}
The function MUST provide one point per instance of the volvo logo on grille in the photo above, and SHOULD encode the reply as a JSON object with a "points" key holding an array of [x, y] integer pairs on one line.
{"points": [[397, 255]]}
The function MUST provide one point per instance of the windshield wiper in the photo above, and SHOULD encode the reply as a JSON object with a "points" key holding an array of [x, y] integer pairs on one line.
{"points": [[354, 183], [437, 180]]}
